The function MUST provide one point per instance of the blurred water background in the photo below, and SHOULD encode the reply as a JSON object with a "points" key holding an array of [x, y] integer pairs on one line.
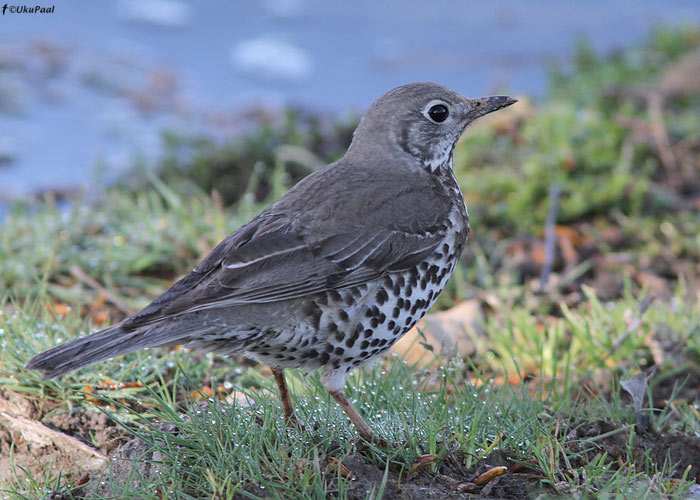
{"points": [[94, 84]]}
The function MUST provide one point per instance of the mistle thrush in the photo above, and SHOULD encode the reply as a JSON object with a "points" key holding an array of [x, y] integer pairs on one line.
{"points": [[334, 272]]}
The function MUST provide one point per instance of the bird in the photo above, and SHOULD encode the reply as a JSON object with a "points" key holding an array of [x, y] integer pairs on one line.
{"points": [[336, 270]]}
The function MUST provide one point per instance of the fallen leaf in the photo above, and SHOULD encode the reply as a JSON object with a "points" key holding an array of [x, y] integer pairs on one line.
{"points": [[490, 475], [334, 465], [637, 388], [467, 487], [60, 308], [448, 332], [423, 461]]}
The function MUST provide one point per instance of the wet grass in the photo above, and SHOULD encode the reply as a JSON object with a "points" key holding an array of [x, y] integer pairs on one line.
{"points": [[208, 447]]}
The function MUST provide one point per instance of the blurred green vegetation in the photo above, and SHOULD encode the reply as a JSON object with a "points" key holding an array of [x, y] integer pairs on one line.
{"points": [[582, 138]]}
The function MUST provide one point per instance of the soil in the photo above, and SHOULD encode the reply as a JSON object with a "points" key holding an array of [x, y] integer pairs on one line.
{"points": [[673, 450], [35, 439]]}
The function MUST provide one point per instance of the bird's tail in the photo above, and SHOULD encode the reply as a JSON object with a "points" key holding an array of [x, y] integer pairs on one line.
{"points": [[85, 351]]}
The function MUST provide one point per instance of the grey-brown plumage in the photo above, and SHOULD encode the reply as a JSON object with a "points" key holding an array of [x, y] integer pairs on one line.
{"points": [[335, 271]]}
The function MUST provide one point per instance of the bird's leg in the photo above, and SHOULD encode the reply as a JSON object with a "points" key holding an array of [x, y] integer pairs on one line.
{"points": [[289, 416], [362, 428]]}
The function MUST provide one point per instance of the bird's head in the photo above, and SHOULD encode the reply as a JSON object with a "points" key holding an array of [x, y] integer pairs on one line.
{"points": [[424, 120]]}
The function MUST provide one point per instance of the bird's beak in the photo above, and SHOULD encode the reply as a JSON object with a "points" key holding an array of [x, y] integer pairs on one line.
{"points": [[485, 105]]}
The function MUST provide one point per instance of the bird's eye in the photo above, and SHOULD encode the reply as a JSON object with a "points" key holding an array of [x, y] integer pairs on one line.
{"points": [[438, 113]]}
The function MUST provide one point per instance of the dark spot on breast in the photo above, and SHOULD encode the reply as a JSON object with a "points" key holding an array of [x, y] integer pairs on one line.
{"points": [[364, 344], [445, 248], [358, 330], [382, 296], [313, 313], [388, 282], [409, 320], [399, 303], [401, 281], [343, 315], [407, 304], [423, 283], [349, 299], [350, 342], [311, 353], [391, 324], [339, 337], [368, 333], [375, 342], [409, 290], [334, 296], [339, 351], [324, 358], [381, 317], [332, 327], [395, 313], [374, 323], [423, 266]]}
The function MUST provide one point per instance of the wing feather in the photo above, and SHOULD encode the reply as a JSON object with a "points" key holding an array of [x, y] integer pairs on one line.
{"points": [[274, 265]]}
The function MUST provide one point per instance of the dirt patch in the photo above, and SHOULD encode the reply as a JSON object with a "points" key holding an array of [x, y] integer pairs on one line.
{"points": [[73, 443], [91, 427], [674, 451], [450, 481]]}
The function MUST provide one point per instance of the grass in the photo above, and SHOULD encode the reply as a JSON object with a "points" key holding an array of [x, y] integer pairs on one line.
{"points": [[209, 448], [542, 394]]}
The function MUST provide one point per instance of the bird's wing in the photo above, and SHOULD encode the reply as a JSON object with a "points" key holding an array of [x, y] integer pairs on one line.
{"points": [[270, 259]]}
